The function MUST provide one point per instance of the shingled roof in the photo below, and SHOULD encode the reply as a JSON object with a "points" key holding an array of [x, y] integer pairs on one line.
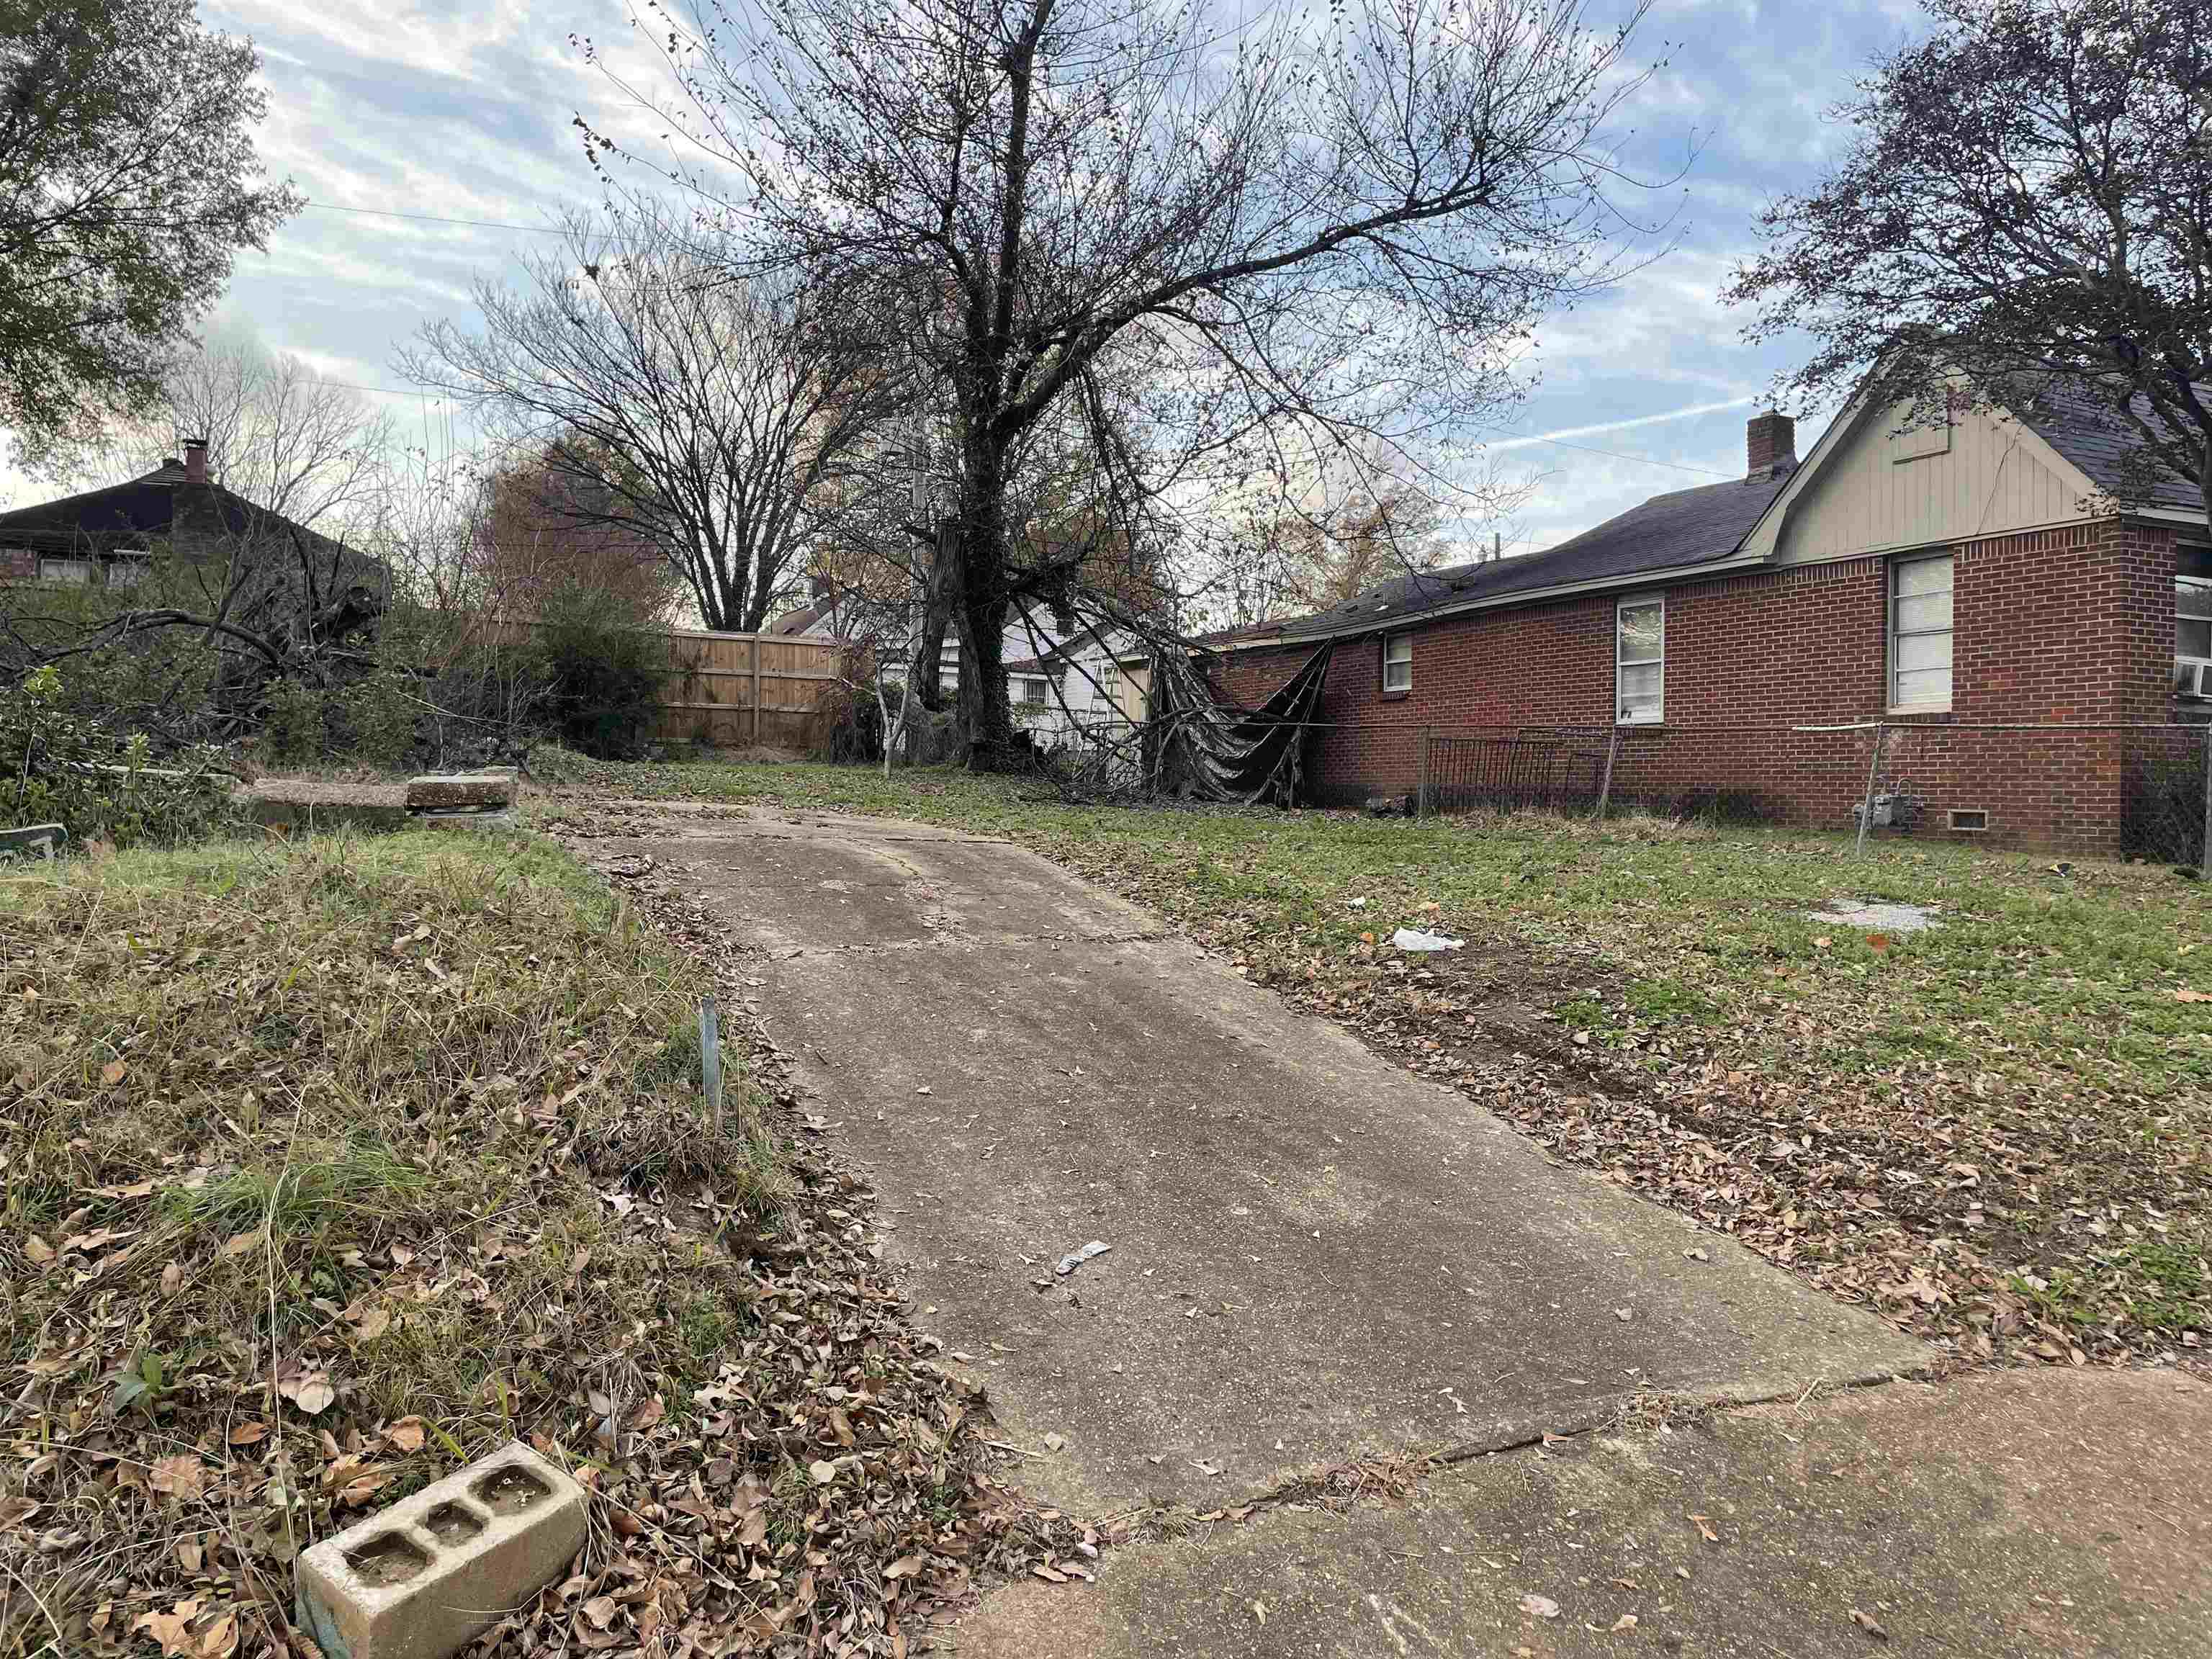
{"points": [[139, 510], [2100, 441], [1682, 528]]}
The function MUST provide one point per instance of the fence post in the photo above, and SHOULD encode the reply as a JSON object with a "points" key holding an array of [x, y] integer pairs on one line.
{"points": [[1605, 784], [2204, 852], [757, 692], [710, 1061], [1421, 801], [1874, 768]]}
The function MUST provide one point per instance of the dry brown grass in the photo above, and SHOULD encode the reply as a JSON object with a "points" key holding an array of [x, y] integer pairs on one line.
{"points": [[296, 1214]]}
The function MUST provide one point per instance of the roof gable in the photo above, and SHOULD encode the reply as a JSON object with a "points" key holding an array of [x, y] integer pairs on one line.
{"points": [[1871, 486]]}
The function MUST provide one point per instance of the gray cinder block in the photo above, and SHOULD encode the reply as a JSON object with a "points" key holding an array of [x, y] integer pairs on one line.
{"points": [[422, 1578]]}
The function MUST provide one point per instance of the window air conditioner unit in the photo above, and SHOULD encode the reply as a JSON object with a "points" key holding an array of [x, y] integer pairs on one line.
{"points": [[2192, 677]]}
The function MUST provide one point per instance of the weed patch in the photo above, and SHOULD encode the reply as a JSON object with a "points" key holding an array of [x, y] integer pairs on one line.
{"points": [[335, 1163]]}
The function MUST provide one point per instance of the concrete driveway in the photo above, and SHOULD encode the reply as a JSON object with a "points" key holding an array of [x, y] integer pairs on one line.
{"points": [[1315, 1256]]}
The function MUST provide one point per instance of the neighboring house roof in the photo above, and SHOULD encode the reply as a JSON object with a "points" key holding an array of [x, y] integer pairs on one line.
{"points": [[1115, 643], [1680, 529], [141, 509], [803, 619]]}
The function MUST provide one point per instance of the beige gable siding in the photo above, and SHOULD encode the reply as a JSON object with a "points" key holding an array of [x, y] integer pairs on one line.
{"points": [[1882, 489]]}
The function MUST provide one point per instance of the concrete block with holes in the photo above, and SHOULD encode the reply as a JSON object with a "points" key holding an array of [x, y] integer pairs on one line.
{"points": [[424, 1578]]}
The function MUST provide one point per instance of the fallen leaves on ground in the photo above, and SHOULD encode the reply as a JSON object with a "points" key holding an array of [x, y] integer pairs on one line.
{"points": [[1989, 1215], [490, 1223]]}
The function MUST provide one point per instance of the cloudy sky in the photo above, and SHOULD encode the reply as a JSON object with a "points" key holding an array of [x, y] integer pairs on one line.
{"points": [[458, 111]]}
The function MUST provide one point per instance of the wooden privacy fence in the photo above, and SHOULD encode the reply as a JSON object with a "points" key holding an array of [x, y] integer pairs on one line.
{"points": [[732, 689]]}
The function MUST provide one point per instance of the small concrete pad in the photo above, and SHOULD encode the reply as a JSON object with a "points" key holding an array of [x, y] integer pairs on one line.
{"points": [[2016, 1516], [1878, 918], [422, 1578], [460, 791], [316, 805]]}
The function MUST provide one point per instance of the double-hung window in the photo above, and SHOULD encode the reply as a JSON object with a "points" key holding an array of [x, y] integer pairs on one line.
{"points": [[1639, 661], [1920, 633], [1397, 662], [2193, 624]]}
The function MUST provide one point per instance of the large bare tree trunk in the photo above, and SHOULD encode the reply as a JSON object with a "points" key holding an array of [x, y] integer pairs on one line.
{"points": [[940, 593], [986, 722]]}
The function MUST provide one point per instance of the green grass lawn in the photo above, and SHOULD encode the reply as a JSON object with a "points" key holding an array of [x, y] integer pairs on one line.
{"points": [[2007, 1113]]}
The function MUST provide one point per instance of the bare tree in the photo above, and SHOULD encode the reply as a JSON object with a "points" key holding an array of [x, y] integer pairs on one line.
{"points": [[2029, 199], [1267, 240], [703, 411], [1311, 554], [278, 434], [544, 535]]}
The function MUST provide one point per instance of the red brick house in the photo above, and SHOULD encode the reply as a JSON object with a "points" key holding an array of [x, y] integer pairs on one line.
{"points": [[1940, 582]]}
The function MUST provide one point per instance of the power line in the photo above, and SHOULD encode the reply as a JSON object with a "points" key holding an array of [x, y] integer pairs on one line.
{"points": [[439, 219]]}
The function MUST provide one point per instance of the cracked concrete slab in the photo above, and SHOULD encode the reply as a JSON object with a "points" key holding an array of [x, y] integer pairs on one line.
{"points": [[2010, 1516], [1317, 1255]]}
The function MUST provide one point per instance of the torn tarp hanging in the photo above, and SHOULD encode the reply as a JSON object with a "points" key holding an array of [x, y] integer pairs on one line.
{"points": [[1204, 749]]}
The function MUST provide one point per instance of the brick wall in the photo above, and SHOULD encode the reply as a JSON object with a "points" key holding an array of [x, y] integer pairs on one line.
{"points": [[18, 564], [2069, 625]]}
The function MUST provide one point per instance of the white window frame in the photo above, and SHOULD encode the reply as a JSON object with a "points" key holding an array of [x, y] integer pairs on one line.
{"points": [[1893, 579], [81, 571], [2192, 674], [1390, 644], [1657, 714], [1032, 691]]}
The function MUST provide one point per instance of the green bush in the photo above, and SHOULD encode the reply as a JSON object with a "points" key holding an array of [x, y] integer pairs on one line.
{"points": [[293, 731], [378, 713], [602, 683], [95, 781]]}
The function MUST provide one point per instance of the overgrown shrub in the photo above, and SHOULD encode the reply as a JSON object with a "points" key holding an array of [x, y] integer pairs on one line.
{"points": [[601, 682], [2162, 812], [847, 725], [96, 781], [292, 731], [378, 717]]}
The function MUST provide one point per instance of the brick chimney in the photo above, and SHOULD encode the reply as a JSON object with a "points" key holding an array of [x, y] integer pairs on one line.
{"points": [[1771, 441], [195, 460]]}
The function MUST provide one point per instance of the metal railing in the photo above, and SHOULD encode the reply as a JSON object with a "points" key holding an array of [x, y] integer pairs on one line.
{"points": [[1560, 769]]}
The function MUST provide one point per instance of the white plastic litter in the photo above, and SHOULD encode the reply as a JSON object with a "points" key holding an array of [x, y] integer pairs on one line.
{"points": [[1075, 1259], [1408, 939]]}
